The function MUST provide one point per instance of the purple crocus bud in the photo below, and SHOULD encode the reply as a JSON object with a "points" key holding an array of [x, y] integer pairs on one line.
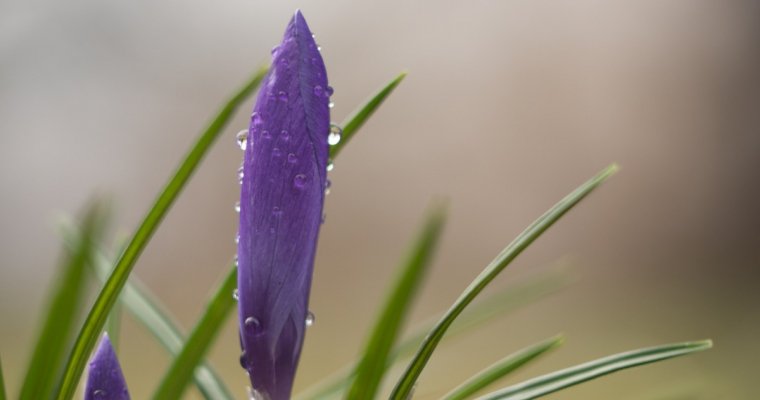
{"points": [[104, 379], [283, 187]]}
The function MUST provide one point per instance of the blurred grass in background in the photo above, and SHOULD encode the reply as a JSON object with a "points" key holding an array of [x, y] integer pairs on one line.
{"points": [[506, 108]]}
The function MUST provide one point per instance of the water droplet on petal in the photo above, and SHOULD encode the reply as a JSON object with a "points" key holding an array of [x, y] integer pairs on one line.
{"points": [[276, 211], [275, 48], [266, 135], [276, 152], [251, 324], [330, 165], [329, 92], [99, 394], [292, 158], [319, 48], [331, 104], [254, 394], [284, 135], [242, 139], [299, 181], [237, 239], [327, 187], [318, 91], [235, 295], [310, 319], [333, 137], [240, 174], [243, 362], [282, 96], [237, 206]]}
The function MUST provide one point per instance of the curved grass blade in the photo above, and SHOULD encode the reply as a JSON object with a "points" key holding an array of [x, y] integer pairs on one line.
{"points": [[200, 339], [555, 381], [508, 299], [372, 367], [502, 368], [352, 124], [65, 305], [151, 313], [107, 298], [409, 378]]}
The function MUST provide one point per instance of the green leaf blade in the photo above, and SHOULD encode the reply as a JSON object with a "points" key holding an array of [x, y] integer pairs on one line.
{"points": [[502, 368], [183, 366], [377, 353], [529, 235], [565, 378], [96, 319], [3, 396], [352, 124], [66, 302]]}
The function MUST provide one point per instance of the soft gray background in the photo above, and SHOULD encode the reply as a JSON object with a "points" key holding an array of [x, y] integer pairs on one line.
{"points": [[508, 106]]}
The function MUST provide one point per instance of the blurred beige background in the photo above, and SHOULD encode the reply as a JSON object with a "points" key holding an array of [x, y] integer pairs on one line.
{"points": [[508, 106]]}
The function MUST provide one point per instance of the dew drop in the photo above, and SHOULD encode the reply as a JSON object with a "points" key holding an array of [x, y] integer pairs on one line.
{"points": [[333, 137], [254, 394], [327, 187], [282, 96], [318, 91], [276, 211], [330, 165], [275, 48], [284, 135], [235, 295], [99, 394], [243, 362], [329, 91], [292, 158], [242, 139], [319, 48], [237, 206], [251, 324], [331, 104], [240, 174], [266, 135], [237, 239], [299, 181], [276, 152], [310, 319]]}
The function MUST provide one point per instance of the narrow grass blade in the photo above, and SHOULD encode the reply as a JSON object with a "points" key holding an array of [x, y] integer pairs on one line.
{"points": [[502, 368], [352, 124], [88, 335], [377, 353], [148, 310], [511, 298], [409, 378], [3, 396], [65, 305], [200, 339], [555, 381]]}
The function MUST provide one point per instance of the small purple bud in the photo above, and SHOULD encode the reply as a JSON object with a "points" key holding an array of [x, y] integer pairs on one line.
{"points": [[282, 196], [105, 380]]}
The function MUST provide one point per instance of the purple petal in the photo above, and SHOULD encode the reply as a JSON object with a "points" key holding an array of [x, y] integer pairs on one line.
{"points": [[104, 379], [284, 178]]}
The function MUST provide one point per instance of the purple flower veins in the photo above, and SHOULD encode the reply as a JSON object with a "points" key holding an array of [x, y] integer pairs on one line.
{"points": [[284, 177]]}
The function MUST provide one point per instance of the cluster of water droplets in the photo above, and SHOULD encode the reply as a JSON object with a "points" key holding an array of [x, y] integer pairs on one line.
{"points": [[251, 323]]}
